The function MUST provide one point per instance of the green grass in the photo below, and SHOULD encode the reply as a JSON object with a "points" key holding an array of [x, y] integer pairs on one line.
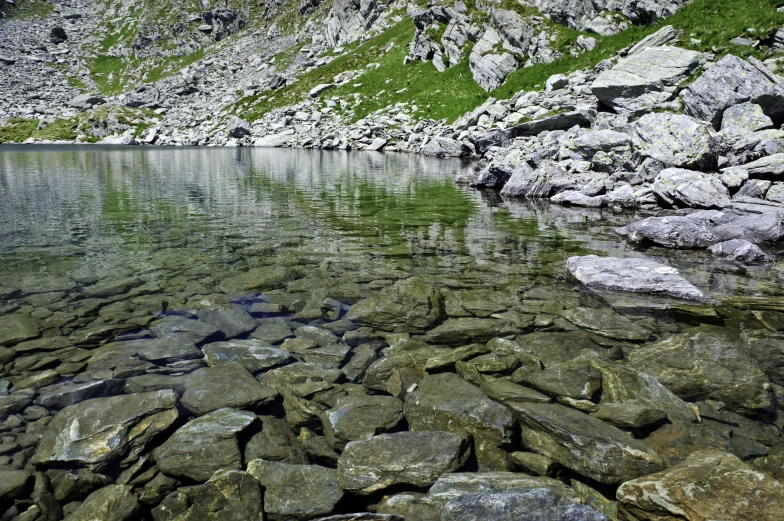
{"points": [[171, 65], [17, 130], [108, 73], [28, 9]]}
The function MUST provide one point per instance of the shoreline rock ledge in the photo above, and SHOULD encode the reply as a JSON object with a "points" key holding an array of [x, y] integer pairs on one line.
{"points": [[633, 275]]}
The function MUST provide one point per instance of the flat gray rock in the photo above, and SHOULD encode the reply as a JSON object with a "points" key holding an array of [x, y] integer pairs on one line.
{"points": [[412, 458], [634, 275], [253, 355], [646, 79], [529, 505]]}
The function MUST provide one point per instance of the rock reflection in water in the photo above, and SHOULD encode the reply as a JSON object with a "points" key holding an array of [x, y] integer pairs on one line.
{"points": [[178, 326]]}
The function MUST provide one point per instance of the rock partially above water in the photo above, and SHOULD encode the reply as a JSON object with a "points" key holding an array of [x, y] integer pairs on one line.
{"points": [[635, 275], [708, 485]]}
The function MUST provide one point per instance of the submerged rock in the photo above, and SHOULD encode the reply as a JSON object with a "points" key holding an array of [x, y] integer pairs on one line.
{"points": [[296, 491], [410, 305], [708, 485], [229, 495], [356, 417], [413, 458], [446, 402], [225, 385], [740, 250], [204, 446], [583, 443], [607, 323], [634, 275], [112, 503], [102, 430], [705, 363]]}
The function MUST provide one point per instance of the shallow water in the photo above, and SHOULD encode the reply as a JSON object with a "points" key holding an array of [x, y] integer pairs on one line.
{"points": [[197, 216], [99, 243]]}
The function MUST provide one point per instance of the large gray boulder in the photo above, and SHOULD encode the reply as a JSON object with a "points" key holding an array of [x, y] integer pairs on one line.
{"points": [[706, 363], [489, 63], [238, 127], [646, 79], [681, 187], [445, 147], [446, 402], [100, 431], [348, 20], [607, 150], [633, 275], [583, 443], [204, 446], [675, 140], [409, 305], [549, 179], [412, 458], [672, 232], [710, 484], [296, 491], [729, 82]]}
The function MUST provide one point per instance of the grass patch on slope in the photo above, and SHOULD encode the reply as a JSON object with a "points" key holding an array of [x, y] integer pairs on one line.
{"points": [[438, 95], [707, 26]]}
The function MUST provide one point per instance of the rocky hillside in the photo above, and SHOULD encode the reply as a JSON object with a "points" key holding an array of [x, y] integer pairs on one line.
{"points": [[175, 73]]}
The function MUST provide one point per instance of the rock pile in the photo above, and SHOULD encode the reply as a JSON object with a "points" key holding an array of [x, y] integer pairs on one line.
{"points": [[416, 402]]}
